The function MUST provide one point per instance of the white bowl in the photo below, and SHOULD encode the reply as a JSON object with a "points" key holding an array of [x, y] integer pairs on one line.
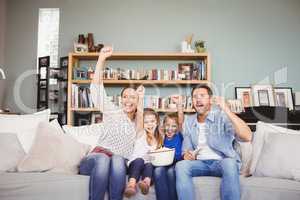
{"points": [[162, 157]]}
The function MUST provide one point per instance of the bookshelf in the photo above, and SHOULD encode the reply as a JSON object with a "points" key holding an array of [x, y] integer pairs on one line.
{"points": [[75, 58]]}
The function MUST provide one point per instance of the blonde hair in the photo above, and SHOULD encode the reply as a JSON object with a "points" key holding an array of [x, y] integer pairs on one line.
{"points": [[173, 116]]}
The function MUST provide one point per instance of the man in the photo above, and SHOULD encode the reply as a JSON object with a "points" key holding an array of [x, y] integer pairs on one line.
{"points": [[208, 145]]}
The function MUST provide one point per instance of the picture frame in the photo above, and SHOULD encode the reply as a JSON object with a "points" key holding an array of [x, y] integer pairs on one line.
{"points": [[97, 117], [284, 97], [245, 95], [263, 95], [185, 71], [44, 61], [64, 62]]}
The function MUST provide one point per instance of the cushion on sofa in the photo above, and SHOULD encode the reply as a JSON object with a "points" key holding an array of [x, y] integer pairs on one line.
{"points": [[279, 158], [53, 152], [49, 186], [244, 149], [11, 151], [263, 130], [24, 126], [88, 134]]}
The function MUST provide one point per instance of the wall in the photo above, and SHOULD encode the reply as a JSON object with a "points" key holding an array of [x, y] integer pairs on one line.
{"points": [[2, 30], [250, 41]]}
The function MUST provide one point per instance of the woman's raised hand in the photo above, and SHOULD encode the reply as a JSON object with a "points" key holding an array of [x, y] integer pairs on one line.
{"points": [[105, 53]]}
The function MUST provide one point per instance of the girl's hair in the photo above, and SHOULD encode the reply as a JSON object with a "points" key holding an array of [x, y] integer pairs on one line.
{"points": [[157, 135], [173, 116]]}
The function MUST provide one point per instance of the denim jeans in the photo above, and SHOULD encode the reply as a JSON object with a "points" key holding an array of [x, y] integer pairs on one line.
{"points": [[138, 168], [226, 168], [106, 173], [165, 183]]}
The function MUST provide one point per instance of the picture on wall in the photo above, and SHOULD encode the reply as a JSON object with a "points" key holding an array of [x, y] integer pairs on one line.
{"points": [[263, 98], [64, 61], [245, 95], [44, 61], [263, 95], [284, 97]]}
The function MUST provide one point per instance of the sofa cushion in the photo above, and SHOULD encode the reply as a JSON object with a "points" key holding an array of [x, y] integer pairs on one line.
{"points": [[88, 134], [11, 151], [24, 126], [54, 152], [45, 186], [263, 130], [277, 160], [49, 186]]}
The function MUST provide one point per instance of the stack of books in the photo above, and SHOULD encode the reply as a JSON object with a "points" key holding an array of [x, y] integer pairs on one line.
{"points": [[81, 97], [184, 71]]}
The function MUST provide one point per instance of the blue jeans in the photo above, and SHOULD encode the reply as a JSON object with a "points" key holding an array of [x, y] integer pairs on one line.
{"points": [[138, 168], [105, 174], [165, 183], [226, 168]]}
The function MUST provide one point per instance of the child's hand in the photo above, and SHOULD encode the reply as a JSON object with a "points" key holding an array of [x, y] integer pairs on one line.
{"points": [[150, 130], [105, 53]]}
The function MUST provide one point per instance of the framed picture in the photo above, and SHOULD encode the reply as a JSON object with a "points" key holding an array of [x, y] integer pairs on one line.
{"points": [[245, 95], [64, 61], [263, 95], [284, 97], [185, 71], [44, 61], [97, 117]]}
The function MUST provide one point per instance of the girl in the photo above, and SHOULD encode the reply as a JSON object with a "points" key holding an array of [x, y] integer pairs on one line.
{"points": [[139, 164], [164, 177]]}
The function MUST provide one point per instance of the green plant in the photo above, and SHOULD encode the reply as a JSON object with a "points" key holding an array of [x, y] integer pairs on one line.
{"points": [[200, 43]]}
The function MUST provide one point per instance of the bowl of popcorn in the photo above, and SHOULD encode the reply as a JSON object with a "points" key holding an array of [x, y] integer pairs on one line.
{"points": [[162, 157]]}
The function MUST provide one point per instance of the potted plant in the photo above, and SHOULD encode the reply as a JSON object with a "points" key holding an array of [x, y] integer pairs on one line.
{"points": [[200, 46]]}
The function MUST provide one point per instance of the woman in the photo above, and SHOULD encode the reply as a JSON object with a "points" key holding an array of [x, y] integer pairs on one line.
{"points": [[119, 128]]}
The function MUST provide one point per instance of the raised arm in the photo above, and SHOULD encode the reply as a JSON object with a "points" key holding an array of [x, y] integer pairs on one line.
{"points": [[140, 110], [241, 128], [98, 93], [104, 53], [180, 113]]}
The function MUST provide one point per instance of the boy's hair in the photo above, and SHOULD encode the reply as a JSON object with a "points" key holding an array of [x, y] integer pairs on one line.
{"points": [[128, 87], [173, 116], [157, 135], [204, 86]]}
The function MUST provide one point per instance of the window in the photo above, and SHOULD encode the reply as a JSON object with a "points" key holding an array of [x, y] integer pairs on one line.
{"points": [[48, 33]]}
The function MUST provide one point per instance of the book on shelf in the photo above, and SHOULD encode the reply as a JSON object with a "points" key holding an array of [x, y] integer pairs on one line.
{"points": [[159, 103], [184, 71], [81, 97]]}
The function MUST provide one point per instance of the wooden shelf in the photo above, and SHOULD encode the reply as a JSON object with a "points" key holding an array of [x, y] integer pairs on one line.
{"points": [[144, 82], [75, 58], [157, 110], [143, 56]]}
